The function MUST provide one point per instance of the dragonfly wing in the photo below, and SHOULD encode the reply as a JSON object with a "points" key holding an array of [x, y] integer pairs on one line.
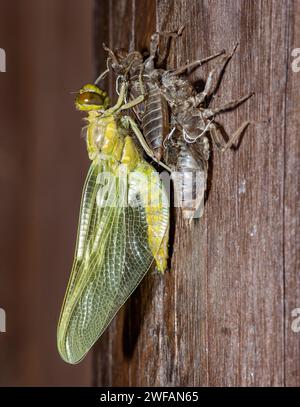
{"points": [[112, 256], [87, 218]]}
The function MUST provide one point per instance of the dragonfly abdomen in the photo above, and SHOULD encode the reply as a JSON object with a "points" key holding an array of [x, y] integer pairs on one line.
{"points": [[155, 121], [153, 113], [189, 163]]}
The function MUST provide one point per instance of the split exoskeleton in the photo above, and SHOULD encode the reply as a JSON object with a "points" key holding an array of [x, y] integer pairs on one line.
{"points": [[175, 120]]}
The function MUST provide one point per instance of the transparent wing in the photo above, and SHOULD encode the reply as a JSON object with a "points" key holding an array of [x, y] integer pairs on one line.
{"points": [[198, 181], [112, 256]]}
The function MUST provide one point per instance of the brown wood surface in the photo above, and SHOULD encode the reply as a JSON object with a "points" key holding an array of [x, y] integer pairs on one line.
{"points": [[222, 316]]}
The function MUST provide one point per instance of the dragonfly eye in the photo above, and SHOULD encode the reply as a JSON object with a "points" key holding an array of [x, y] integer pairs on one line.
{"points": [[90, 97]]}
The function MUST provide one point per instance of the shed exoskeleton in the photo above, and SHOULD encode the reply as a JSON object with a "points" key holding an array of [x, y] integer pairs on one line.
{"points": [[141, 74], [171, 105], [194, 120]]}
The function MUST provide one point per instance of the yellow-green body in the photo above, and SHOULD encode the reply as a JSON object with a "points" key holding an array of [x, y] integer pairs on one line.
{"points": [[123, 228]]}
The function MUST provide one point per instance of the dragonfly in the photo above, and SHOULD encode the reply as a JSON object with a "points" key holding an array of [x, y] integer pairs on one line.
{"points": [[123, 223], [176, 120]]}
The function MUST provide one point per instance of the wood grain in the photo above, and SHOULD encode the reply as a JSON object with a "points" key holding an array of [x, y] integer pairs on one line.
{"points": [[291, 209], [222, 316]]}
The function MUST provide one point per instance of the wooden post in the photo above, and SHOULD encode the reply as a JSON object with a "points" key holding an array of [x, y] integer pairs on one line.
{"points": [[223, 315]]}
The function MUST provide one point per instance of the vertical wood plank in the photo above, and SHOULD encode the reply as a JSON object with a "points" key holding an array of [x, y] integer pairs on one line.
{"points": [[222, 316], [292, 203]]}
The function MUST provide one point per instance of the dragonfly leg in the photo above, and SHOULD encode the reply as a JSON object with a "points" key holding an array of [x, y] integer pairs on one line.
{"points": [[219, 142], [120, 100], [111, 54], [214, 77], [154, 45], [128, 121], [101, 76], [141, 83], [133, 102], [194, 64], [209, 113]]}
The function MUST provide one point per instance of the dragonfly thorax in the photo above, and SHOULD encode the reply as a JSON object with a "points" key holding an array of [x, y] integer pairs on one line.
{"points": [[108, 139]]}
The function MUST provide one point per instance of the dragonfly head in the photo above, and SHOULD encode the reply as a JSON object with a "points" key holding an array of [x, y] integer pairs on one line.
{"points": [[90, 97]]}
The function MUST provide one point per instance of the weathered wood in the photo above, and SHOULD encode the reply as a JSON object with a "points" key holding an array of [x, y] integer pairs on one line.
{"points": [[222, 316], [291, 208]]}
